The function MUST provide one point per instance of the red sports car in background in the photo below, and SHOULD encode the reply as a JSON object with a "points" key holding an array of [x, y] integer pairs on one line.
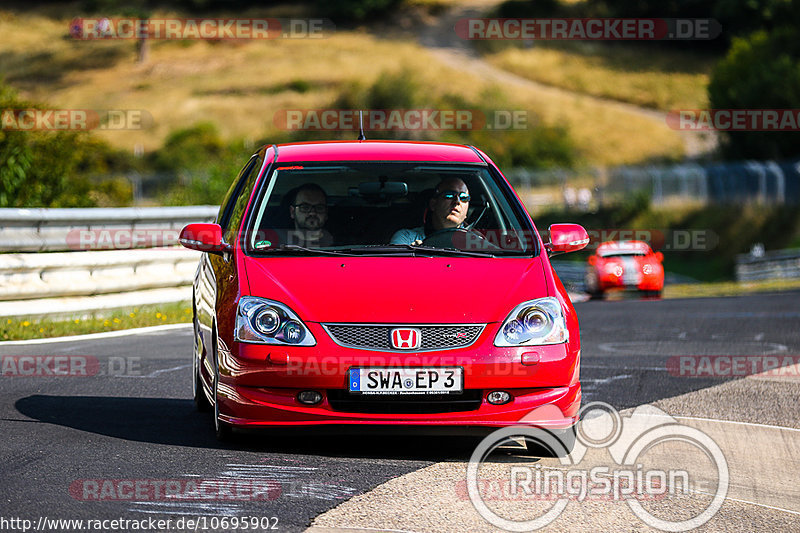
{"points": [[625, 265], [381, 284]]}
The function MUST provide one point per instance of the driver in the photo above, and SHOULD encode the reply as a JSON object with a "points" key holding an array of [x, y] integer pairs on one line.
{"points": [[447, 209]]}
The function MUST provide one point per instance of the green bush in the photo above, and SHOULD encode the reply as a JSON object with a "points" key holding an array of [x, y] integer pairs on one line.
{"points": [[203, 163], [51, 169], [759, 72], [346, 12]]}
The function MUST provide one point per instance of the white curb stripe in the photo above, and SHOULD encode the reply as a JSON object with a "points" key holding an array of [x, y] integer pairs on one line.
{"points": [[103, 335]]}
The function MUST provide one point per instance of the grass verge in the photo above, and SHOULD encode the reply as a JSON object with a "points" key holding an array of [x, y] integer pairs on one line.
{"points": [[138, 317], [729, 288]]}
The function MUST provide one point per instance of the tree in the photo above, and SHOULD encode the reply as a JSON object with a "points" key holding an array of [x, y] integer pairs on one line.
{"points": [[761, 71]]}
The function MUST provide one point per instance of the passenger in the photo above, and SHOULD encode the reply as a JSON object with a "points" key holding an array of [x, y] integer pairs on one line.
{"points": [[447, 209], [309, 211]]}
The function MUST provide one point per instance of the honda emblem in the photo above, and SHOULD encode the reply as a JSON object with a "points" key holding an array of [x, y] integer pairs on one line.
{"points": [[406, 338]]}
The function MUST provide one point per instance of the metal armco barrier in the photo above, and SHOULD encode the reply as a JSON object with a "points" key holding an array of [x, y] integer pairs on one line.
{"points": [[57, 230], [778, 264], [26, 276], [69, 260]]}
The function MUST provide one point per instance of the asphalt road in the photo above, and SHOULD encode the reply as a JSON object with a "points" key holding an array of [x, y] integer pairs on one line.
{"points": [[132, 422]]}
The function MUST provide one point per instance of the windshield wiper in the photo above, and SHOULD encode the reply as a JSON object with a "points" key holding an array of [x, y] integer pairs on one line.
{"points": [[294, 248], [426, 250]]}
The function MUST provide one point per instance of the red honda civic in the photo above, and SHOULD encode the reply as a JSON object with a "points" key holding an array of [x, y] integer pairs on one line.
{"points": [[380, 283]]}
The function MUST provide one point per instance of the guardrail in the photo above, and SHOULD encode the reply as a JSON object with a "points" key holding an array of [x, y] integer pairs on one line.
{"points": [[83, 270], [731, 182], [26, 276], [57, 230], [777, 264]]}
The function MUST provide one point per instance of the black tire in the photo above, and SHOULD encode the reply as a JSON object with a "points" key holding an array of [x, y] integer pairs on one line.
{"points": [[651, 294], [223, 430], [201, 402], [566, 438]]}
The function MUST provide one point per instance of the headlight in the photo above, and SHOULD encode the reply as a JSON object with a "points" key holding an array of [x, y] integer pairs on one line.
{"points": [[263, 321], [535, 322]]}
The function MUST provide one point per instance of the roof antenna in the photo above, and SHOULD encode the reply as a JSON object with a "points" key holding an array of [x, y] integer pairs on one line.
{"points": [[361, 136]]}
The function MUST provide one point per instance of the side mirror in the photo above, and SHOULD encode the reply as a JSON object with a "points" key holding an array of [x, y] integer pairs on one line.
{"points": [[592, 259], [204, 238], [566, 238], [660, 257]]}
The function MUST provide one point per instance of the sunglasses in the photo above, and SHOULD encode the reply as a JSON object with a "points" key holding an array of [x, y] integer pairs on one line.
{"points": [[307, 208], [450, 195]]}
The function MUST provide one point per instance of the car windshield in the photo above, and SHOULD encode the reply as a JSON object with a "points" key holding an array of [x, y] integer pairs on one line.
{"points": [[388, 209]]}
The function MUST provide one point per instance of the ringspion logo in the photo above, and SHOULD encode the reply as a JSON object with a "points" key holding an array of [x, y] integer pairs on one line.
{"points": [[642, 448]]}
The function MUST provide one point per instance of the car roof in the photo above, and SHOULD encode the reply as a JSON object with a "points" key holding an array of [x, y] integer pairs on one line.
{"points": [[377, 151]]}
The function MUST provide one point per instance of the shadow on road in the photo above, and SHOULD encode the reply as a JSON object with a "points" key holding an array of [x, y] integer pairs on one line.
{"points": [[175, 422]]}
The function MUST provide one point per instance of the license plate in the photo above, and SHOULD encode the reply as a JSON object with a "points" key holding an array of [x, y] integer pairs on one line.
{"points": [[406, 380]]}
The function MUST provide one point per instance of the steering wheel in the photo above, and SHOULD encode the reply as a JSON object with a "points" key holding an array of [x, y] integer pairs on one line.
{"points": [[459, 239]]}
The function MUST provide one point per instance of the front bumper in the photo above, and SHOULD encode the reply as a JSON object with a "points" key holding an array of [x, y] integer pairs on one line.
{"points": [[256, 407], [259, 386]]}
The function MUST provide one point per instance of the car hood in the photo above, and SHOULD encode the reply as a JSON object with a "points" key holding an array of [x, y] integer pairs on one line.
{"points": [[397, 289]]}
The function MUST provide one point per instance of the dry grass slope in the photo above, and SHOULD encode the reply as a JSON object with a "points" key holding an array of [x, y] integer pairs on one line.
{"points": [[239, 86]]}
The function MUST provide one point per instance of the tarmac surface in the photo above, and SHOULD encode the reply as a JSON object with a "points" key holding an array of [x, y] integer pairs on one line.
{"points": [[126, 443]]}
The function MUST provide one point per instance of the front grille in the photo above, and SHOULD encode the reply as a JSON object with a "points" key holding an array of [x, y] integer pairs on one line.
{"points": [[378, 337], [346, 402]]}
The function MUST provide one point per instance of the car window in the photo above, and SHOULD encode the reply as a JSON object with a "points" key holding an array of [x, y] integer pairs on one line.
{"points": [[358, 206], [226, 208], [241, 192], [623, 254]]}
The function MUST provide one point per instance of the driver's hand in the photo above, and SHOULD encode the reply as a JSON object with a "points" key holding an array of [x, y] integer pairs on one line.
{"points": [[417, 242]]}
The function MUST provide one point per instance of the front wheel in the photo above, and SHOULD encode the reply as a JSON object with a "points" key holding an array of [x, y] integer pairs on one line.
{"points": [[201, 402], [222, 429]]}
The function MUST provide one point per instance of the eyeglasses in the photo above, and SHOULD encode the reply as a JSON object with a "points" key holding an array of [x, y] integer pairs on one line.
{"points": [[307, 208], [450, 195]]}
